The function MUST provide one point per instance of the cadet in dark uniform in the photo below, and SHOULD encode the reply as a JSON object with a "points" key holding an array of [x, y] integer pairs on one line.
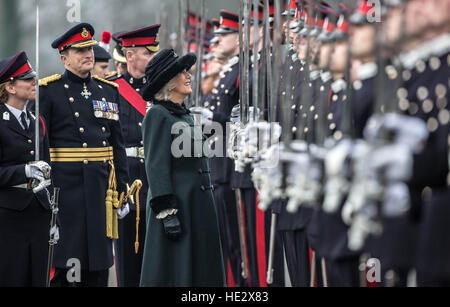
{"points": [[101, 65], [88, 159], [140, 46], [342, 264], [120, 62], [362, 44], [24, 215], [219, 104], [183, 242], [257, 222], [424, 94]]}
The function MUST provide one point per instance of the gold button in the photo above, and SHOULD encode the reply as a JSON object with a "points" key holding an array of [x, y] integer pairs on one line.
{"points": [[77, 114], [140, 124], [100, 86], [103, 99], [85, 161], [142, 160], [103, 129], [82, 130], [104, 143], [66, 85], [30, 141], [71, 99], [142, 142], [32, 152], [85, 145]]}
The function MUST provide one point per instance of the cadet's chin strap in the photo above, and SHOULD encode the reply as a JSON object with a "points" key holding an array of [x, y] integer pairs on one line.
{"points": [[112, 204], [133, 190]]}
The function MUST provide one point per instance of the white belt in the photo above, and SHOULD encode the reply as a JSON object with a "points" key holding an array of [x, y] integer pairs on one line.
{"points": [[135, 152], [21, 186]]}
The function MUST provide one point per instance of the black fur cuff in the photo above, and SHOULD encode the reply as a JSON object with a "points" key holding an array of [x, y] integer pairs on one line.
{"points": [[164, 202]]}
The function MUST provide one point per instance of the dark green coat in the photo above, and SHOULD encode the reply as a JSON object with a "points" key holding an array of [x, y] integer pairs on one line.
{"points": [[195, 259]]}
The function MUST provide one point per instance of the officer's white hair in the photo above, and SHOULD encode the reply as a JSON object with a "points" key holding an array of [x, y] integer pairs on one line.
{"points": [[164, 93]]}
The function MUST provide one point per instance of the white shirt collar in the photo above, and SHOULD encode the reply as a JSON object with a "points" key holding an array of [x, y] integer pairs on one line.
{"points": [[314, 75], [367, 70], [325, 76], [17, 113], [435, 47], [338, 85]]}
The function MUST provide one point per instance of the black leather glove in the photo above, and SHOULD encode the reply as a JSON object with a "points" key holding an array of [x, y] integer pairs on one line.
{"points": [[172, 227]]}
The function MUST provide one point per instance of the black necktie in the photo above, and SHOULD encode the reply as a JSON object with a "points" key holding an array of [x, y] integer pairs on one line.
{"points": [[23, 121]]}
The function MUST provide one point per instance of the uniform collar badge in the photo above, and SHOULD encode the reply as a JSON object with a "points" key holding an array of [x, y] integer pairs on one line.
{"points": [[6, 116]]}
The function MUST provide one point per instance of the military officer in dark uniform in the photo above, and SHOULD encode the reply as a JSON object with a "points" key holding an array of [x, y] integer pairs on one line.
{"points": [[218, 106], [101, 66], [362, 44], [341, 263], [257, 222], [424, 94], [120, 62], [293, 226], [88, 160], [140, 46], [24, 214]]}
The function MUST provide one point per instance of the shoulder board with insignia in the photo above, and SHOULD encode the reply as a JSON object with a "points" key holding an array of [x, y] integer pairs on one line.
{"points": [[50, 79], [111, 75], [105, 81]]}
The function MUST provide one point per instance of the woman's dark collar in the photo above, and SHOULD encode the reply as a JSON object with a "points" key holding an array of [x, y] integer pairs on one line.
{"points": [[174, 108]]}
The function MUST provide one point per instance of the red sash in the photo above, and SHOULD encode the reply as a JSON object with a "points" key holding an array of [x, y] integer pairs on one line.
{"points": [[130, 95]]}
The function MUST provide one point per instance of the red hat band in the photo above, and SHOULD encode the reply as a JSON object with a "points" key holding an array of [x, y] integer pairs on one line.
{"points": [[23, 69], [79, 37], [138, 41]]}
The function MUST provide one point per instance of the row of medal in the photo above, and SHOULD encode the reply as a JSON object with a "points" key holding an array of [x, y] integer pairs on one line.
{"points": [[108, 110]]}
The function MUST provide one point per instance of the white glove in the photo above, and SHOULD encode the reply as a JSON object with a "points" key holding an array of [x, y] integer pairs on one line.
{"points": [[206, 115], [122, 212], [39, 170]]}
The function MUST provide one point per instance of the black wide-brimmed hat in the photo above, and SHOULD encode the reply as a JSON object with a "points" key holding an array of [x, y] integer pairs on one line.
{"points": [[163, 68]]}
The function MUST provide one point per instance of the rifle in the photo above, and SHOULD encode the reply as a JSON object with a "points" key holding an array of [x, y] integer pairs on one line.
{"points": [[238, 191], [241, 233], [36, 105], [186, 28], [181, 29], [245, 74], [53, 240], [255, 65], [200, 48], [268, 66]]}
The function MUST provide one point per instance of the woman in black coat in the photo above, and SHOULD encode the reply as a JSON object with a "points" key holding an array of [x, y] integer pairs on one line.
{"points": [[182, 246], [24, 215]]}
